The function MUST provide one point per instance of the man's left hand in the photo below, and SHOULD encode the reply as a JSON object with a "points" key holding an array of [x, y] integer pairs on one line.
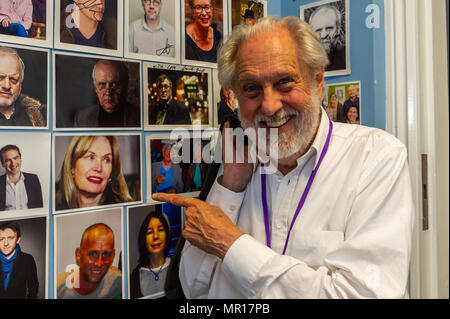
{"points": [[206, 227]]}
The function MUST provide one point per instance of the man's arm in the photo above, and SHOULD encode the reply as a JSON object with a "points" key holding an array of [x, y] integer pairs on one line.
{"points": [[32, 283]]}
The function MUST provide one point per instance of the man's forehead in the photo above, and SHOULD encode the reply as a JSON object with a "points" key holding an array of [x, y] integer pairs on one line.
{"points": [[96, 240], [7, 232], [9, 63], [11, 154], [104, 69], [324, 15]]}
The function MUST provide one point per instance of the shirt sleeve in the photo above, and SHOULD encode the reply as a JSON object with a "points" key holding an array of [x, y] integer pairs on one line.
{"points": [[371, 262], [196, 279]]}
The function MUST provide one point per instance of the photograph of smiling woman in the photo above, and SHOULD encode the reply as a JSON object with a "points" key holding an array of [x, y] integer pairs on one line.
{"points": [[85, 182]]}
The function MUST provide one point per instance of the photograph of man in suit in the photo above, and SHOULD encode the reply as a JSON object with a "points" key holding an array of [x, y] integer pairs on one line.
{"points": [[18, 190], [168, 110], [18, 273], [112, 109]]}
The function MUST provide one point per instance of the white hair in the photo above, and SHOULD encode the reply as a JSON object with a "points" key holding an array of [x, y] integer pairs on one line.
{"points": [[309, 48], [13, 52]]}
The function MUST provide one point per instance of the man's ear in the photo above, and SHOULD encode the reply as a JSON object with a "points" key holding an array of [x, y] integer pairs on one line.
{"points": [[78, 256], [18, 239], [319, 81]]}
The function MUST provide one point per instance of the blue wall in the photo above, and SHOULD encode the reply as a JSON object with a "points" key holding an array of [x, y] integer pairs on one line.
{"points": [[367, 56]]}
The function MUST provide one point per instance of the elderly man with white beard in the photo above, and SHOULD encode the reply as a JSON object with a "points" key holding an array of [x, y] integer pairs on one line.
{"points": [[336, 218]]}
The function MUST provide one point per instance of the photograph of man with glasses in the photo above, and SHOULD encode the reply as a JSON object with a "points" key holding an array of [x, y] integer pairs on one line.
{"points": [[203, 37], [97, 93], [152, 34]]}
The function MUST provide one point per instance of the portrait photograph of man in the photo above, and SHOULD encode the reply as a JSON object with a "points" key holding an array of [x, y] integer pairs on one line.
{"points": [[204, 24], [24, 175], [89, 25], [23, 246], [176, 98], [23, 87], [152, 237], [153, 30], [88, 255], [247, 11], [96, 93], [25, 22], [96, 170], [330, 20]]}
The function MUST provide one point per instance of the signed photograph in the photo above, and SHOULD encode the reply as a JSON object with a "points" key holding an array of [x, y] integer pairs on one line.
{"points": [[24, 174], [96, 93], [153, 232], [93, 26], [178, 163], [177, 96], [246, 11], [88, 255], [24, 101], [23, 251], [152, 30], [96, 170], [330, 19], [344, 102], [204, 27], [27, 22], [225, 102]]}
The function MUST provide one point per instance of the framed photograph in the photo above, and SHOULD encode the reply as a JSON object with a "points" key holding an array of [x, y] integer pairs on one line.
{"points": [[88, 255], [152, 30], [225, 102], [28, 240], [93, 26], [91, 92], [96, 170], [27, 22], [330, 19], [178, 162], [24, 174], [153, 232], [204, 27], [24, 102], [177, 96], [344, 102], [246, 11]]}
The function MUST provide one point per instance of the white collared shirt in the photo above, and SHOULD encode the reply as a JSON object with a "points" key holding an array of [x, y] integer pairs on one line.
{"points": [[160, 42], [352, 239], [16, 194]]}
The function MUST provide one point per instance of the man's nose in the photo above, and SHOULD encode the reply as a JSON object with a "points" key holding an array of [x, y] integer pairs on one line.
{"points": [[99, 261], [271, 101], [5, 83]]}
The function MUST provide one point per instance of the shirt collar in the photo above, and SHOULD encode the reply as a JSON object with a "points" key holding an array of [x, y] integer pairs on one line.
{"points": [[22, 178], [161, 25]]}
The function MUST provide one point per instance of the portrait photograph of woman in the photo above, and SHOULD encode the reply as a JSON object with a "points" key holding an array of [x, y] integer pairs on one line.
{"points": [[89, 26], [341, 96], [152, 238], [204, 25], [96, 170]]}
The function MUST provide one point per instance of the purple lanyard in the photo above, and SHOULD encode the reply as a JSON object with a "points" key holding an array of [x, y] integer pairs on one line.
{"points": [[303, 198]]}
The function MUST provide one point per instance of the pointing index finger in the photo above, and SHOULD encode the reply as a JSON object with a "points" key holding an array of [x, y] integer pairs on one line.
{"points": [[177, 200]]}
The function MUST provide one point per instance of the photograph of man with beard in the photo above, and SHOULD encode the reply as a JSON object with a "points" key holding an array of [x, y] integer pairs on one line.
{"points": [[329, 23], [17, 108], [89, 23]]}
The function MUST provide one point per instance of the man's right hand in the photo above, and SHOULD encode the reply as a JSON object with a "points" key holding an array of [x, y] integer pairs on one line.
{"points": [[6, 22], [236, 176]]}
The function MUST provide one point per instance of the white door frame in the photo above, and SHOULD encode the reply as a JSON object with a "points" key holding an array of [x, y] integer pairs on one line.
{"points": [[411, 109]]}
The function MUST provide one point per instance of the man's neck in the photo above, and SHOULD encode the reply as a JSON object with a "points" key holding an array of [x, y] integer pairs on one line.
{"points": [[87, 26], [15, 178], [7, 112], [152, 24], [85, 287]]}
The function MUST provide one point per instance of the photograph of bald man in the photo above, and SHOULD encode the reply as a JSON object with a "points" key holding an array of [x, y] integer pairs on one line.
{"points": [[96, 277]]}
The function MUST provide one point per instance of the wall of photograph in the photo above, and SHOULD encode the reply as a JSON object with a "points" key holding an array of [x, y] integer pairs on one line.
{"points": [[90, 93]]}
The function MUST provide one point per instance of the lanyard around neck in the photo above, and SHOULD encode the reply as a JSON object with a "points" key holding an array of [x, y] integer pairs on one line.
{"points": [[302, 199]]}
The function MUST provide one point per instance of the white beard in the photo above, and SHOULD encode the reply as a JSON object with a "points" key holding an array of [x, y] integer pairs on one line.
{"points": [[295, 140]]}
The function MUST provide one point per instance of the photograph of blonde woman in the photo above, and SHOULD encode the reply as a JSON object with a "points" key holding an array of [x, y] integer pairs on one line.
{"points": [[92, 175]]}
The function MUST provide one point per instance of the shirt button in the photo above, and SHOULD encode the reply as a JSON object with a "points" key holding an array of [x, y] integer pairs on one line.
{"points": [[278, 226], [232, 208]]}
